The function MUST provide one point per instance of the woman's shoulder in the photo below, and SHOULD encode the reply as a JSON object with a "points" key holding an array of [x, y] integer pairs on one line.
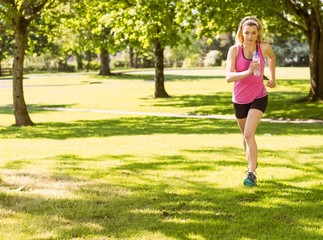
{"points": [[267, 50], [234, 49], [265, 46]]}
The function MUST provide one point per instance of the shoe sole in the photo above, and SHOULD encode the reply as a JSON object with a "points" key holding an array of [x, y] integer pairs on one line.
{"points": [[249, 183]]}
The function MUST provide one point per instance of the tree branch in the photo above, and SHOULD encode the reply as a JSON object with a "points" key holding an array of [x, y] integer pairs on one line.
{"points": [[37, 9], [25, 5], [300, 27], [303, 13], [297, 9]]}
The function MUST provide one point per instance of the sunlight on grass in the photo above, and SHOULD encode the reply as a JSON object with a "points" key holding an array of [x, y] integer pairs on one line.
{"points": [[91, 175], [186, 182]]}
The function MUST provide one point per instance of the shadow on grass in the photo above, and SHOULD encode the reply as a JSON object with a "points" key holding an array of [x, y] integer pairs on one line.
{"points": [[136, 201], [282, 105], [130, 126], [35, 108], [6, 110], [219, 103], [288, 105]]}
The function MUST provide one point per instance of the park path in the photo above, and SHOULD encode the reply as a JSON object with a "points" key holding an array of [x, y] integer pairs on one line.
{"points": [[175, 115]]}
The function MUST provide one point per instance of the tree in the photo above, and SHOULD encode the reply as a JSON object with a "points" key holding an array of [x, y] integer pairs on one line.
{"points": [[305, 17], [150, 23], [19, 14], [95, 14], [69, 31], [81, 28]]}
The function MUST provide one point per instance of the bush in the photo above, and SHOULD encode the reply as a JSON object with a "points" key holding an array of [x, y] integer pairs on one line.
{"points": [[193, 60]]}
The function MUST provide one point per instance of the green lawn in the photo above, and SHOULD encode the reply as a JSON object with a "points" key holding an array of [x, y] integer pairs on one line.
{"points": [[82, 174]]}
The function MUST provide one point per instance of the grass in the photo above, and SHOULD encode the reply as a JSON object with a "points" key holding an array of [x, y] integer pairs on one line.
{"points": [[97, 175]]}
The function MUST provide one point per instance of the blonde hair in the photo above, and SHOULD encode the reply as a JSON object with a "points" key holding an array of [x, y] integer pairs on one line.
{"points": [[250, 21]]}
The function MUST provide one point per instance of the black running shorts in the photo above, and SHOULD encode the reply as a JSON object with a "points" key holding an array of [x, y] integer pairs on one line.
{"points": [[241, 110]]}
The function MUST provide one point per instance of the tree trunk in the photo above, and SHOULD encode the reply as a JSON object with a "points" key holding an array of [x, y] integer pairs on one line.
{"points": [[160, 91], [132, 57], [79, 60], [20, 109], [89, 59], [315, 39], [136, 60], [105, 62], [320, 68]]}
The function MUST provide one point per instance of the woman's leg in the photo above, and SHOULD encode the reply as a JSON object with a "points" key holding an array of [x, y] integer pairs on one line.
{"points": [[241, 124], [250, 127]]}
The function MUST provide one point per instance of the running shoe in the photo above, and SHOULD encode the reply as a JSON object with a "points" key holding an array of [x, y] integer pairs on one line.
{"points": [[251, 180]]}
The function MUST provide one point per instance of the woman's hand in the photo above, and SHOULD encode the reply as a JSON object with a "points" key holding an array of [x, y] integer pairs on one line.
{"points": [[254, 65], [271, 83]]}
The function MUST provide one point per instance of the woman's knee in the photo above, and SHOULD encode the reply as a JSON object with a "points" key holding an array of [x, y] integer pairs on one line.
{"points": [[249, 136]]}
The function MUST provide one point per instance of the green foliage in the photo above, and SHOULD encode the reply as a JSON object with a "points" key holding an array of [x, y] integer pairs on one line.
{"points": [[143, 23], [6, 42], [7, 13], [64, 28], [30, 10]]}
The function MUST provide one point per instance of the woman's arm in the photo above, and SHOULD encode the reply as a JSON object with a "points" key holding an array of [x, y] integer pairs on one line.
{"points": [[231, 75], [269, 53]]}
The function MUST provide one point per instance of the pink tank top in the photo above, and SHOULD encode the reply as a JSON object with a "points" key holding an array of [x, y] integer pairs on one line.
{"points": [[251, 87]]}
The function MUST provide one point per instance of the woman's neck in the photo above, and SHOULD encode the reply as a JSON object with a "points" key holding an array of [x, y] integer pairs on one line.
{"points": [[250, 47]]}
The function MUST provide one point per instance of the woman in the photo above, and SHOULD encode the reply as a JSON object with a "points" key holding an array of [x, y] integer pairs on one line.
{"points": [[249, 92]]}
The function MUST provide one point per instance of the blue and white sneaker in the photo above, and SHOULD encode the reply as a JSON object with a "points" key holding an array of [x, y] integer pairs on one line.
{"points": [[251, 179]]}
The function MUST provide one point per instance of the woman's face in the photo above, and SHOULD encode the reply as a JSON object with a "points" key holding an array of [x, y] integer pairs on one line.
{"points": [[250, 34]]}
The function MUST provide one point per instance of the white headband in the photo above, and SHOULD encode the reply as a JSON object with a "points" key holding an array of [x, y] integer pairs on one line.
{"points": [[251, 21]]}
